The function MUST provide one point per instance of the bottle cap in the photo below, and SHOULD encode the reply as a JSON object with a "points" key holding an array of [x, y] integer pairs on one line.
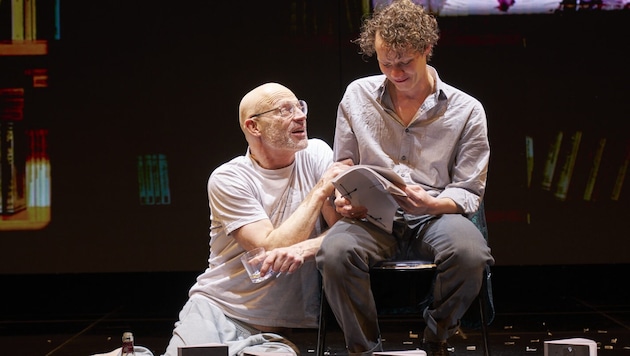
{"points": [[127, 336]]}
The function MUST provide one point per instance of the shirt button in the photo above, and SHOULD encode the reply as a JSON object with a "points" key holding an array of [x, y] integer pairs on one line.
{"points": [[407, 130], [404, 158]]}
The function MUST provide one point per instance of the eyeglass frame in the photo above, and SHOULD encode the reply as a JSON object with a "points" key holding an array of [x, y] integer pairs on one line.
{"points": [[301, 104]]}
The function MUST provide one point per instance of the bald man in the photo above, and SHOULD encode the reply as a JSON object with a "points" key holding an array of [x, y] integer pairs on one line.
{"points": [[274, 197]]}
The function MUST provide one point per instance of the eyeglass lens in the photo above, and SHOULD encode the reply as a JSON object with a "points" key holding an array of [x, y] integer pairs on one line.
{"points": [[303, 107], [289, 109]]}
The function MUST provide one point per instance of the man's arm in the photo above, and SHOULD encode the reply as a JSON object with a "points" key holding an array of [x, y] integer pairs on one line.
{"points": [[300, 224]]}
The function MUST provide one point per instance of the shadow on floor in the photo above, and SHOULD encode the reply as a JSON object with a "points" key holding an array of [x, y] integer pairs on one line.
{"points": [[84, 314]]}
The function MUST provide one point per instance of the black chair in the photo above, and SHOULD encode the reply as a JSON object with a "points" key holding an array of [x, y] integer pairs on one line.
{"points": [[485, 299]]}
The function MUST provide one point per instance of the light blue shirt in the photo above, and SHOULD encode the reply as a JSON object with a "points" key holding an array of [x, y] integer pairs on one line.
{"points": [[444, 148]]}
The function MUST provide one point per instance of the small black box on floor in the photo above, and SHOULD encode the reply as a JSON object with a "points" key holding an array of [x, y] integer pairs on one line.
{"points": [[571, 347], [203, 350]]}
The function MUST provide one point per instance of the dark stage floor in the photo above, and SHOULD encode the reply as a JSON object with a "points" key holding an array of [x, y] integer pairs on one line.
{"points": [[85, 314]]}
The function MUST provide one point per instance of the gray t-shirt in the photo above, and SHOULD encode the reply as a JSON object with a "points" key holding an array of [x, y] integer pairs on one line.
{"points": [[241, 192]]}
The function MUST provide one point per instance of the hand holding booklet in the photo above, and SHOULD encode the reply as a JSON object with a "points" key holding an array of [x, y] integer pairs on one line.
{"points": [[372, 187]]}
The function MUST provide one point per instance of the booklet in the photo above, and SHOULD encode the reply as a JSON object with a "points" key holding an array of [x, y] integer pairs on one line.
{"points": [[372, 187], [401, 353]]}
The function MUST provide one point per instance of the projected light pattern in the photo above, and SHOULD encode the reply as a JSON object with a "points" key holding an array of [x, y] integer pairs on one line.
{"points": [[503, 7]]}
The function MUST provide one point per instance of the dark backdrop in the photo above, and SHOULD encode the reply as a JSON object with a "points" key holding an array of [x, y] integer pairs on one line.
{"points": [[128, 78]]}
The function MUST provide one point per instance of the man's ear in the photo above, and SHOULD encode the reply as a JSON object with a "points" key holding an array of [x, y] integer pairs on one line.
{"points": [[252, 127]]}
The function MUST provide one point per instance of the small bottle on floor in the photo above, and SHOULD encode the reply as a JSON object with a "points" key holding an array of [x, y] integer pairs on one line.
{"points": [[127, 344]]}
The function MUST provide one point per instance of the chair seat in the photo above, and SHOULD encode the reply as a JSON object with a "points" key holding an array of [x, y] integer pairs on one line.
{"points": [[404, 265]]}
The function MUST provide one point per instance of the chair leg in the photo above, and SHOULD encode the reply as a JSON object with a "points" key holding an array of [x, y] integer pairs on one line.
{"points": [[321, 331], [483, 299]]}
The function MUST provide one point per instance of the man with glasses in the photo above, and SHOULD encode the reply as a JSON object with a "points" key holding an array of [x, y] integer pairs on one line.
{"points": [[274, 196], [435, 137]]}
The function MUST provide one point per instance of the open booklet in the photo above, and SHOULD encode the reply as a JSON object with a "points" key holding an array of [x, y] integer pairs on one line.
{"points": [[372, 187]]}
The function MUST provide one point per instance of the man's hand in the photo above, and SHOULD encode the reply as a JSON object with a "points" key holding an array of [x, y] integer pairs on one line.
{"points": [[283, 260], [419, 202], [332, 172], [344, 207]]}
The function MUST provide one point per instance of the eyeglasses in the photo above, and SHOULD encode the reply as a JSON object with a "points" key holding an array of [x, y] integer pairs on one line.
{"points": [[287, 110]]}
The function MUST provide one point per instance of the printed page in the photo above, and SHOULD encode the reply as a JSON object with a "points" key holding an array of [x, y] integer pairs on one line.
{"points": [[372, 187]]}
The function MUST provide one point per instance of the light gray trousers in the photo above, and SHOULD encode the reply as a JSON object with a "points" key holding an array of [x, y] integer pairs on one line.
{"points": [[201, 322]]}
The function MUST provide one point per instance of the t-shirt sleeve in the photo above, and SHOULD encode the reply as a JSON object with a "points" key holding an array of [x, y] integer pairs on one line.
{"points": [[233, 199], [323, 156]]}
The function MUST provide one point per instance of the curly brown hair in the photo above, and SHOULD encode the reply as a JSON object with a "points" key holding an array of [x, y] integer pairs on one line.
{"points": [[402, 25]]}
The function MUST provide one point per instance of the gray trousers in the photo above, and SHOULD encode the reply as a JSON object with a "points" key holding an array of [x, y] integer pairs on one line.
{"points": [[352, 247]]}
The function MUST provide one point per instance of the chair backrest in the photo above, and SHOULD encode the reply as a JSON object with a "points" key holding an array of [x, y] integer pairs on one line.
{"points": [[479, 219]]}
